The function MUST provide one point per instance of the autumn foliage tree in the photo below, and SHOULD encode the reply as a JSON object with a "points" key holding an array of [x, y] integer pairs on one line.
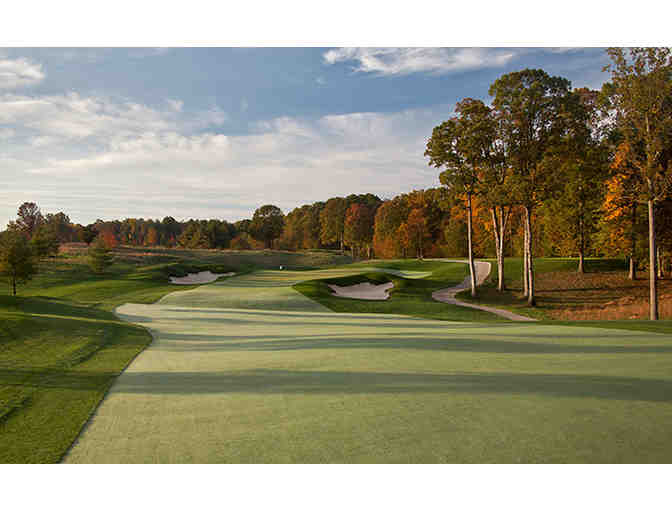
{"points": [[389, 217], [620, 223], [302, 227], [108, 238], [358, 230], [417, 233], [579, 160], [640, 96]]}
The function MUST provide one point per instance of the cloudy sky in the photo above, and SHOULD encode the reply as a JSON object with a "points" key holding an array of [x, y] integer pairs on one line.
{"points": [[217, 132]]}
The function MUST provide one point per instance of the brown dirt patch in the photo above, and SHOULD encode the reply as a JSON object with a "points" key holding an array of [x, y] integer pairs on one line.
{"points": [[569, 295]]}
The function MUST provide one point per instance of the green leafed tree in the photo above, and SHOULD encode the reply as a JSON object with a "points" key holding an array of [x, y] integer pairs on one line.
{"points": [[100, 257], [580, 163], [60, 226], [17, 260], [529, 106], [267, 224], [332, 222], [88, 234], [45, 242], [463, 147], [29, 218]]}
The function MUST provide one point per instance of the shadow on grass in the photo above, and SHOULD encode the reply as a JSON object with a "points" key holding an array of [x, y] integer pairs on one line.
{"points": [[184, 342], [323, 382], [55, 378], [44, 305]]}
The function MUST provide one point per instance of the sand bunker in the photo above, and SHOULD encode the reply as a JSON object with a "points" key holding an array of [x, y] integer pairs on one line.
{"points": [[363, 291], [198, 278]]}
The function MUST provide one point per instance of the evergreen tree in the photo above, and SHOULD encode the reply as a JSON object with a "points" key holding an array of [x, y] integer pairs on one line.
{"points": [[100, 257]]}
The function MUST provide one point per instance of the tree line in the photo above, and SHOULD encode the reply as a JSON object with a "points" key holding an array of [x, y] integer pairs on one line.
{"points": [[543, 170], [584, 161]]}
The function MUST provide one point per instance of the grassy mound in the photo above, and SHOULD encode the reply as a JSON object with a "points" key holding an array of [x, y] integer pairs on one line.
{"points": [[57, 361]]}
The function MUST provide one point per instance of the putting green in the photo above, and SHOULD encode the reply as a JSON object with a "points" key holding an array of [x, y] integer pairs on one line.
{"points": [[248, 370], [413, 275]]}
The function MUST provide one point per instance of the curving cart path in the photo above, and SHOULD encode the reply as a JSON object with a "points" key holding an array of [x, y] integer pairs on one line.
{"points": [[482, 272]]}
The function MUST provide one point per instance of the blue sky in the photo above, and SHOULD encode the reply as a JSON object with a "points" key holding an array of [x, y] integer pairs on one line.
{"points": [[217, 132]]}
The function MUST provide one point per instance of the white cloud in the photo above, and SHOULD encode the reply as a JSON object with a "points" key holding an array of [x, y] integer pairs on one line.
{"points": [[15, 73], [42, 141], [286, 161], [72, 116], [402, 61], [175, 104]]}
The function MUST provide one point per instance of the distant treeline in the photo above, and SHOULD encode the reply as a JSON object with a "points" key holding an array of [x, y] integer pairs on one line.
{"points": [[422, 223]]}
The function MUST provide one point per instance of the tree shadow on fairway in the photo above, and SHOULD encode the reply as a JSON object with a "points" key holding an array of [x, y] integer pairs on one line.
{"points": [[185, 342], [51, 306], [326, 382], [268, 381], [55, 378]]}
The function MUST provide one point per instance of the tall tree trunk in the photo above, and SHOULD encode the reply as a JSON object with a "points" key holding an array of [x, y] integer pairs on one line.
{"points": [[499, 229], [581, 247], [342, 245], [504, 218], [659, 262], [581, 269], [531, 301], [472, 269], [633, 262], [526, 263], [653, 280], [14, 284], [498, 245]]}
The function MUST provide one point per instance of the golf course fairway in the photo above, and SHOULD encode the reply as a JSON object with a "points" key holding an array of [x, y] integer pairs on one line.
{"points": [[248, 370]]}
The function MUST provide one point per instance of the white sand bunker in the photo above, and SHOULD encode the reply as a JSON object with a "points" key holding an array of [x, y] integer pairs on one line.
{"points": [[198, 278], [363, 291]]}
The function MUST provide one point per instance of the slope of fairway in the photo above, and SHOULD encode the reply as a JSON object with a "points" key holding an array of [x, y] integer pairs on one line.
{"points": [[231, 378], [61, 347], [57, 360], [266, 290]]}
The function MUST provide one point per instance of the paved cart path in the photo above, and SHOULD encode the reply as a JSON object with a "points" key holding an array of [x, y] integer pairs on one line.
{"points": [[482, 273]]}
